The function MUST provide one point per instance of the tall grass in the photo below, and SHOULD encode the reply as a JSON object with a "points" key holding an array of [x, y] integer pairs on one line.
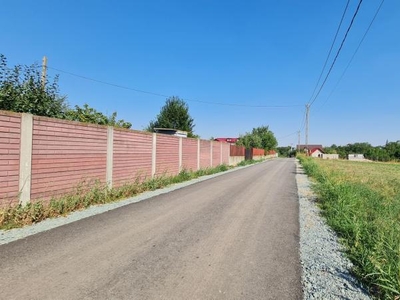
{"points": [[361, 202], [91, 193]]}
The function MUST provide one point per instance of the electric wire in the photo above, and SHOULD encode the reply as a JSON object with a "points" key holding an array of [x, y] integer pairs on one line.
{"points": [[166, 96], [290, 134], [337, 53], [330, 50], [354, 54]]}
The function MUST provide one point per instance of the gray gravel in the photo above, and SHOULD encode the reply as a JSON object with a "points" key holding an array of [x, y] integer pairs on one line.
{"points": [[326, 272]]}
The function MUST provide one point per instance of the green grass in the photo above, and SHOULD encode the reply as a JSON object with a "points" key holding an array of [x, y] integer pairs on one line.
{"points": [[361, 202], [89, 193]]}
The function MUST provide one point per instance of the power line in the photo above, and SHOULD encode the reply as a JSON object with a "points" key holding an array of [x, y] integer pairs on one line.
{"points": [[283, 137], [330, 50], [166, 96], [355, 52], [338, 52], [107, 83]]}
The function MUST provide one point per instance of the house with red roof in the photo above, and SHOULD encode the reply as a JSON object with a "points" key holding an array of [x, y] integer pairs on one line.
{"points": [[317, 152], [311, 150]]}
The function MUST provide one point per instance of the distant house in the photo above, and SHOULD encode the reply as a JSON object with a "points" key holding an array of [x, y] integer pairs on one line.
{"points": [[231, 141], [357, 157], [316, 152], [171, 131], [310, 149]]}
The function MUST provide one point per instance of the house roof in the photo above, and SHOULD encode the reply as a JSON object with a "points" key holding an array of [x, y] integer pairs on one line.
{"points": [[315, 149]]}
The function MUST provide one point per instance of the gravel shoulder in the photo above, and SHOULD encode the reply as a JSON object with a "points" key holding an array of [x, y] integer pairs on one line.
{"points": [[326, 270]]}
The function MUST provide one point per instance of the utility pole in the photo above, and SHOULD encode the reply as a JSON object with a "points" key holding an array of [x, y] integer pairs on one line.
{"points": [[307, 120], [298, 140], [44, 71]]}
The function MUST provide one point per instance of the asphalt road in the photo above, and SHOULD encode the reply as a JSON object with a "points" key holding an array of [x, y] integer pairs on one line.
{"points": [[235, 236]]}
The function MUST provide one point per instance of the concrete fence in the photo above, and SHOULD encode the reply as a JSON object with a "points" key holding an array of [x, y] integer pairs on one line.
{"points": [[42, 157]]}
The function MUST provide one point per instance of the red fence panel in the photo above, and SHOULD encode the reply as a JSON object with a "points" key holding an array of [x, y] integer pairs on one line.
{"points": [[216, 156], [167, 155], [205, 154], [132, 157], [258, 152], [237, 150], [10, 132], [189, 154], [64, 154]]}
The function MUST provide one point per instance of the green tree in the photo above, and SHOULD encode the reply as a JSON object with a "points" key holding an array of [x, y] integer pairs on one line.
{"points": [[112, 121], [284, 151], [21, 90], [259, 137], [175, 115], [331, 150], [393, 150], [87, 114]]}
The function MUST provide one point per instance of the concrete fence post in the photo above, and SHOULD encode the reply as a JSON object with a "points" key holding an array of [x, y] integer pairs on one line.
{"points": [[211, 154], [110, 156], [25, 159], [154, 156], [198, 154], [180, 154], [221, 160]]}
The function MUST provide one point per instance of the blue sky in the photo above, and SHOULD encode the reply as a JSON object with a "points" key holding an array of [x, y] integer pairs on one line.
{"points": [[247, 55]]}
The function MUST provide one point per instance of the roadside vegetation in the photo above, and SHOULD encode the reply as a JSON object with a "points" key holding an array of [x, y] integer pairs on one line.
{"points": [[91, 193], [361, 202], [388, 152], [249, 162]]}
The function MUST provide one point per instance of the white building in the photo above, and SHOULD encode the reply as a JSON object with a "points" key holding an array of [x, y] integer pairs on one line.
{"points": [[317, 152], [356, 157]]}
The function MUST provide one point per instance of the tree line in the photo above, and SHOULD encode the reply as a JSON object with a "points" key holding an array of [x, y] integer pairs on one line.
{"points": [[389, 152]]}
